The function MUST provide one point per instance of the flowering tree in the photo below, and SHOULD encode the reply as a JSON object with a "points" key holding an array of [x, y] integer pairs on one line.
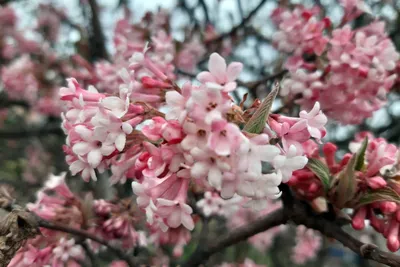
{"points": [[170, 137]]}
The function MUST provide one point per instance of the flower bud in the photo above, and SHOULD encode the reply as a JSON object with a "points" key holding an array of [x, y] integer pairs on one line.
{"points": [[359, 218], [376, 182]]}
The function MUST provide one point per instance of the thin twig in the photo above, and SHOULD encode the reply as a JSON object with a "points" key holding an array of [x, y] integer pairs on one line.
{"points": [[243, 23], [203, 4]]}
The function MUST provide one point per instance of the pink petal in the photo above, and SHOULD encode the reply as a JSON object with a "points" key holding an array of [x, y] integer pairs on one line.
{"points": [[81, 148], [205, 77], [217, 67], [94, 158], [187, 221], [233, 71], [120, 142], [215, 177], [174, 219], [199, 170]]}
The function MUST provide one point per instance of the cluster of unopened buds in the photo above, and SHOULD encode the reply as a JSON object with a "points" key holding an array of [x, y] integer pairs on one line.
{"points": [[352, 71], [364, 180]]}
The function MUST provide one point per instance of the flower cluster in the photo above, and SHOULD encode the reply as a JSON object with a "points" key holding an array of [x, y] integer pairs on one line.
{"points": [[379, 176], [58, 204], [353, 70], [54, 248], [308, 243], [198, 140]]}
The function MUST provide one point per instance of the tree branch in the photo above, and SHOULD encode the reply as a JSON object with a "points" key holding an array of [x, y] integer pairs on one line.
{"points": [[51, 128], [202, 253], [8, 203], [203, 4], [82, 233], [97, 39], [237, 27], [301, 213]]}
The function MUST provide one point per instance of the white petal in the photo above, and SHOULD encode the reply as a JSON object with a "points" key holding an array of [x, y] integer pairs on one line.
{"points": [[94, 158], [120, 142]]}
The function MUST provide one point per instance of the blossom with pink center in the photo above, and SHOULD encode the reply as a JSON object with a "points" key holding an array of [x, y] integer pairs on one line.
{"points": [[220, 76], [208, 165], [66, 250], [225, 137], [206, 106], [211, 204]]}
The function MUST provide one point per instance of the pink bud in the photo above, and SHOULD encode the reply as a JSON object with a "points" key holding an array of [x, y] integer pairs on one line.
{"points": [[376, 182], [313, 187], [178, 251], [327, 22], [149, 82], [359, 218], [388, 207], [329, 152], [398, 215], [393, 243]]}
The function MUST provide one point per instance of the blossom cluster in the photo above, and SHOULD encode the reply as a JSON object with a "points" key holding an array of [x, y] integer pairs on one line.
{"points": [[198, 140], [353, 71], [57, 204]]}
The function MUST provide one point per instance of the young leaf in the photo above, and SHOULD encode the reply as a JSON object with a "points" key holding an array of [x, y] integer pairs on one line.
{"points": [[321, 171], [257, 122], [384, 194], [346, 188], [361, 155]]}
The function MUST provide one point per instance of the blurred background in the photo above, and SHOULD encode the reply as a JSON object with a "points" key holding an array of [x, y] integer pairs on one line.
{"points": [[44, 42]]}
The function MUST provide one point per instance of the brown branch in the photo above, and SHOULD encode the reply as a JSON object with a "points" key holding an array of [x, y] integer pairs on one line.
{"points": [[82, 233], [97, 38], [300, 213], [202, 253], [236, 28], [203, 5], [7, 203]]}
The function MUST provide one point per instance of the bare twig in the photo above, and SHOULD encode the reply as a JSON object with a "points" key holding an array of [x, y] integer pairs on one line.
{"points": [[237, 27], [203, 4], [82, 233]]}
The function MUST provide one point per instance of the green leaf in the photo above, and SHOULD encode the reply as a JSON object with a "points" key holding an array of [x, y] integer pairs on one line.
{"points": [[384, 194], [361, 155], [347, 183], [256, 123], [321, 171]]}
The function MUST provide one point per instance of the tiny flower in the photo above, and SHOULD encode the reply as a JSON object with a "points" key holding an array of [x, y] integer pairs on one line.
{"points": [[220, 76]]}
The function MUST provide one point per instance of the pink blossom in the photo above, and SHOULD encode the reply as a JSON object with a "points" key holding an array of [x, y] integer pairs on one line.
{"points": [[307, 246], [220, 76]]}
